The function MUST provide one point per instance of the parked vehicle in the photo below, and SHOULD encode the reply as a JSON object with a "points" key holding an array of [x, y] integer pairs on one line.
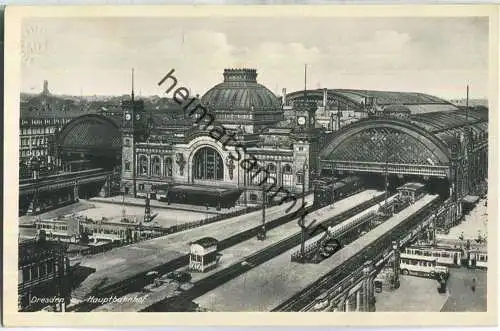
{"points": [[180, 276], [418, 265]]}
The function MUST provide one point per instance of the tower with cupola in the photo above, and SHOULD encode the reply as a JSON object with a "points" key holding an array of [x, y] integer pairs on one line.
{"points": [[305, 141], [133, 131]]}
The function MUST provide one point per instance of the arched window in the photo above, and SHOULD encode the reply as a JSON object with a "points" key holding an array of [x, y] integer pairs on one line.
{"points": [[271, 168], [168, 167], [208, 165], [155, 166], [286, 175], [143, 165]]}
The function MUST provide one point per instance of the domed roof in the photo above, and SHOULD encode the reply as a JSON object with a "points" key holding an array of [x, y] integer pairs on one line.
{"points": [[240, 91]]}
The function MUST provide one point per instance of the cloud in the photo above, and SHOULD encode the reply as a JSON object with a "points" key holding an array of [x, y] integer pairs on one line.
{"points": [[97, 54]]}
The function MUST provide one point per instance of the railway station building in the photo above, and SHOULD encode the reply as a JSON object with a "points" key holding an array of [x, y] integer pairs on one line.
{"points": [[303, 135]]}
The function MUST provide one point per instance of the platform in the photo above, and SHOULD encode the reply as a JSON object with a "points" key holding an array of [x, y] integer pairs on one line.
{"points": [[124, 262], [265, 287], [239, 252]]}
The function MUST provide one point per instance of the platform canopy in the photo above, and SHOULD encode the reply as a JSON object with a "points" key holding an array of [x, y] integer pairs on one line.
{"points": [[208, 195]]}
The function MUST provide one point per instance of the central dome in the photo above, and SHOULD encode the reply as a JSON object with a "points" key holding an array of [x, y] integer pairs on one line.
{"points": [[240, 91]]}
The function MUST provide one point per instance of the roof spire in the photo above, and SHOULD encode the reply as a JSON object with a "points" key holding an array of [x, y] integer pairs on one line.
{"points": [[132, 84], [305, 80]]}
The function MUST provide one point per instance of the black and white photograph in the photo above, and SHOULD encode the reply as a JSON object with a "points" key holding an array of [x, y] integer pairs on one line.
{"points": [[253, 163]]}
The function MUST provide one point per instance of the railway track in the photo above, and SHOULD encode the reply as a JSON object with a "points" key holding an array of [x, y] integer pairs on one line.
{"points": [[138, 281], [215, 280], [373, 252]]}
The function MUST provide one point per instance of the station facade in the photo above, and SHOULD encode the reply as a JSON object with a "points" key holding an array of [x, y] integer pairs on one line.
{"points": [[247, 146], [255, 141]]}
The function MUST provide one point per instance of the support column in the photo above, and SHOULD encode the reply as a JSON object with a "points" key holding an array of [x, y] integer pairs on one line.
{"points": [[368, 290], [346, 305], [395, 250], [358, 300]]}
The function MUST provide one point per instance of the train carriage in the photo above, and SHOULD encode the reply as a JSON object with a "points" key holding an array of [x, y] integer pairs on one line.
{"points": [[328, 190]]}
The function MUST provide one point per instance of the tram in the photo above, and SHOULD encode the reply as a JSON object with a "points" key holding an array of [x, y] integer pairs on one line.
{"points": [[443, 256]]}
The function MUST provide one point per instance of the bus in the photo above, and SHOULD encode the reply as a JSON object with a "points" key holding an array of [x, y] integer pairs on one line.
{"points": [[444, 255], [419, 265]]}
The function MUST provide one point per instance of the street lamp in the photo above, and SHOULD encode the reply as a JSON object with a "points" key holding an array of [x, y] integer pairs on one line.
{"points": [[123, 202], [386, 171], [262, 232]]}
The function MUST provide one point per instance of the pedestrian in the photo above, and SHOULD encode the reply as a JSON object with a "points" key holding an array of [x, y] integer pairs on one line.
{"points": [[473, 285]]}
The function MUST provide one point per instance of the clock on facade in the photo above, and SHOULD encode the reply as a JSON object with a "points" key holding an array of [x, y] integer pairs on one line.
{"points": [[128, 117], [301, 120]]}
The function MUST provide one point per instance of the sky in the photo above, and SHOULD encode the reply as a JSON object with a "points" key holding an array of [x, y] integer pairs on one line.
{"points": [[88, 56]]}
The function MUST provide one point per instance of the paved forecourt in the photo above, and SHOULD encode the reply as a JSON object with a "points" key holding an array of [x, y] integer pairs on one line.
{"points": [[266, 286], [238, 252]]}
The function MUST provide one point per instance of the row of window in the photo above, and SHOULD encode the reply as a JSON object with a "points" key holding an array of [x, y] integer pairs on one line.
{"points": [[36, 271], [206, 157], [206, 259], [155, 166], [54, 227], [430, 253], [45, 121], [34, 141], [37, 130], [33, 152], [417, 262]]}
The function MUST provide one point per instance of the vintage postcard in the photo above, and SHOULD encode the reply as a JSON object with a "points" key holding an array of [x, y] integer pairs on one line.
{"points": [[198, 165]]}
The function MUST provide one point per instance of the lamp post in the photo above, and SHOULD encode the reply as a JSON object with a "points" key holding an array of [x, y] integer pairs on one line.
{"points": [[386, 171], [262, 232], [123, 202], [333, 186], [303, 227]]}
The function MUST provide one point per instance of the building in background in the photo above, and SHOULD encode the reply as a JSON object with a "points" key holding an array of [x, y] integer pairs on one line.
{"points": [[43, 271]]}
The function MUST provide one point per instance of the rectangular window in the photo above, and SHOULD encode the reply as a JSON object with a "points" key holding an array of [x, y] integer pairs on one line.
{"points": [[300, 179]]}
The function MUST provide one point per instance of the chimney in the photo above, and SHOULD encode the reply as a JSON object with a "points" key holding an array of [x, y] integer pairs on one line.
{"points": [[45, 87], [325, 98], [284, 96]]}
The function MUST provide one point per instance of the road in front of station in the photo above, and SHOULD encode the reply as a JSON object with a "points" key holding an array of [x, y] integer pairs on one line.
{"points": [[97, 210], [418, 294]]}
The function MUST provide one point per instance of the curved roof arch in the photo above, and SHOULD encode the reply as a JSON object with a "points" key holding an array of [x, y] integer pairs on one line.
{"points": [[318, 94], [416, 102], [384, 140], [90, 133]]}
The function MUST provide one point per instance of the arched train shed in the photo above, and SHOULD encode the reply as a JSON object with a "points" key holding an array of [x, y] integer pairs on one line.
{"points": [[450, 147], [90, 138]]}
